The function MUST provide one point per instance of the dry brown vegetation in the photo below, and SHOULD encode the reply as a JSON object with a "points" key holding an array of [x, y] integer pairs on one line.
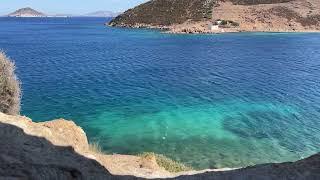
{"points": [[313, 20], [289, 14], [166, 12], [9, 87], [95, 147], [197, 16], [255, 2]]}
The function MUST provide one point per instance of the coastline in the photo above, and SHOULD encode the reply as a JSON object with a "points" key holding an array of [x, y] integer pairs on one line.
{"points": [[62, 146], [229, 17], [65, 133], [185, 30]]}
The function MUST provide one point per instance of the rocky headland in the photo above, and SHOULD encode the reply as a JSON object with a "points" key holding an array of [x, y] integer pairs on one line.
{"points": [[218, 16]]}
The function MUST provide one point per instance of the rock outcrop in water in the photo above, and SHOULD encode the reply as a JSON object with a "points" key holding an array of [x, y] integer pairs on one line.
{"points": [[59, 150], [216, 16]]}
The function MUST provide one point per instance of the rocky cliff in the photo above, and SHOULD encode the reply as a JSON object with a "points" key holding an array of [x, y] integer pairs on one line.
{"points": [[215, 16], [59, 149]]}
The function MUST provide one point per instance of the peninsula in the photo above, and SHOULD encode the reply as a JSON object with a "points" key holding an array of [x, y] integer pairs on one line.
{"points": [[218, 16]]}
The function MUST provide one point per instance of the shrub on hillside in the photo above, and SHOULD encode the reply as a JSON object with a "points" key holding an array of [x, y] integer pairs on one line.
{"points": [[9, 87], [255, 2]]}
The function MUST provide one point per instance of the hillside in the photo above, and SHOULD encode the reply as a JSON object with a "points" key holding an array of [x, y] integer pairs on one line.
{"points": [[165, 12], [214, 16], [26, 12]]}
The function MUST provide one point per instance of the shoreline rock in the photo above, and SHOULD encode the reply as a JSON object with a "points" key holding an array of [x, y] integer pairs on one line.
{"points": [[186, 30], [59, 149]]}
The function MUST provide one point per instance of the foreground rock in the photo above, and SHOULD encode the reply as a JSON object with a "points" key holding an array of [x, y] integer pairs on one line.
{"points": [[219, 16], [59, 149]]}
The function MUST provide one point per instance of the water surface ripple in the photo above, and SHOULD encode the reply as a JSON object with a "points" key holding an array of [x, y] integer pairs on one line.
{"points": [[206, 100]]}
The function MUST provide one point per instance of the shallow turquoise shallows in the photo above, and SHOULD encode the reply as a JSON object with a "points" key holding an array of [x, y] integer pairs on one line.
{"points": [[209, 101]]}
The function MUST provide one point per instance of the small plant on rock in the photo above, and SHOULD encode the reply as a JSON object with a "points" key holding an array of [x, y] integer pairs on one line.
{"points": [[167, 163]]}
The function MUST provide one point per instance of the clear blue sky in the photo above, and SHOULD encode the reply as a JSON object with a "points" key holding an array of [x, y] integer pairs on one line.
{"points": [[68, 6]]}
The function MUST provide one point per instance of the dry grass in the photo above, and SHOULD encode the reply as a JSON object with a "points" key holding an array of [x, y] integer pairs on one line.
{"points": [[167, 163], [95, 147], [10, 93], [255, 2]]}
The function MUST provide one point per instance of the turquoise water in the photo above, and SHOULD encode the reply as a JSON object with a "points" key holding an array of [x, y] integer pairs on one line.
{"points": [[209, 101]]}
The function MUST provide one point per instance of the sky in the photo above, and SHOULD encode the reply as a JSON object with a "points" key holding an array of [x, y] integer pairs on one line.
{"points": [[68, 6]]}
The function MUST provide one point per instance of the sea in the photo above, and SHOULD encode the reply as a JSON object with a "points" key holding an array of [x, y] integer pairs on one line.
{"points": [[208, 101]]}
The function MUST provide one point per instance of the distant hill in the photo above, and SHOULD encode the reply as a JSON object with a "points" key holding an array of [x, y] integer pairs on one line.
{"points": [[26, 12], [166, 12], [102, 14], [61, 15], [29, 12], [215, 16]]}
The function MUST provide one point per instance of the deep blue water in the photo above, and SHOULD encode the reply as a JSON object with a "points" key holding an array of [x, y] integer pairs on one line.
{"points": [[207, 100]]}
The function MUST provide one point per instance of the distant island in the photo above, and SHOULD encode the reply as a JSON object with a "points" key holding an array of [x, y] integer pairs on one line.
{"points": [[29, 12], [102, 14], [218, 16]]}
